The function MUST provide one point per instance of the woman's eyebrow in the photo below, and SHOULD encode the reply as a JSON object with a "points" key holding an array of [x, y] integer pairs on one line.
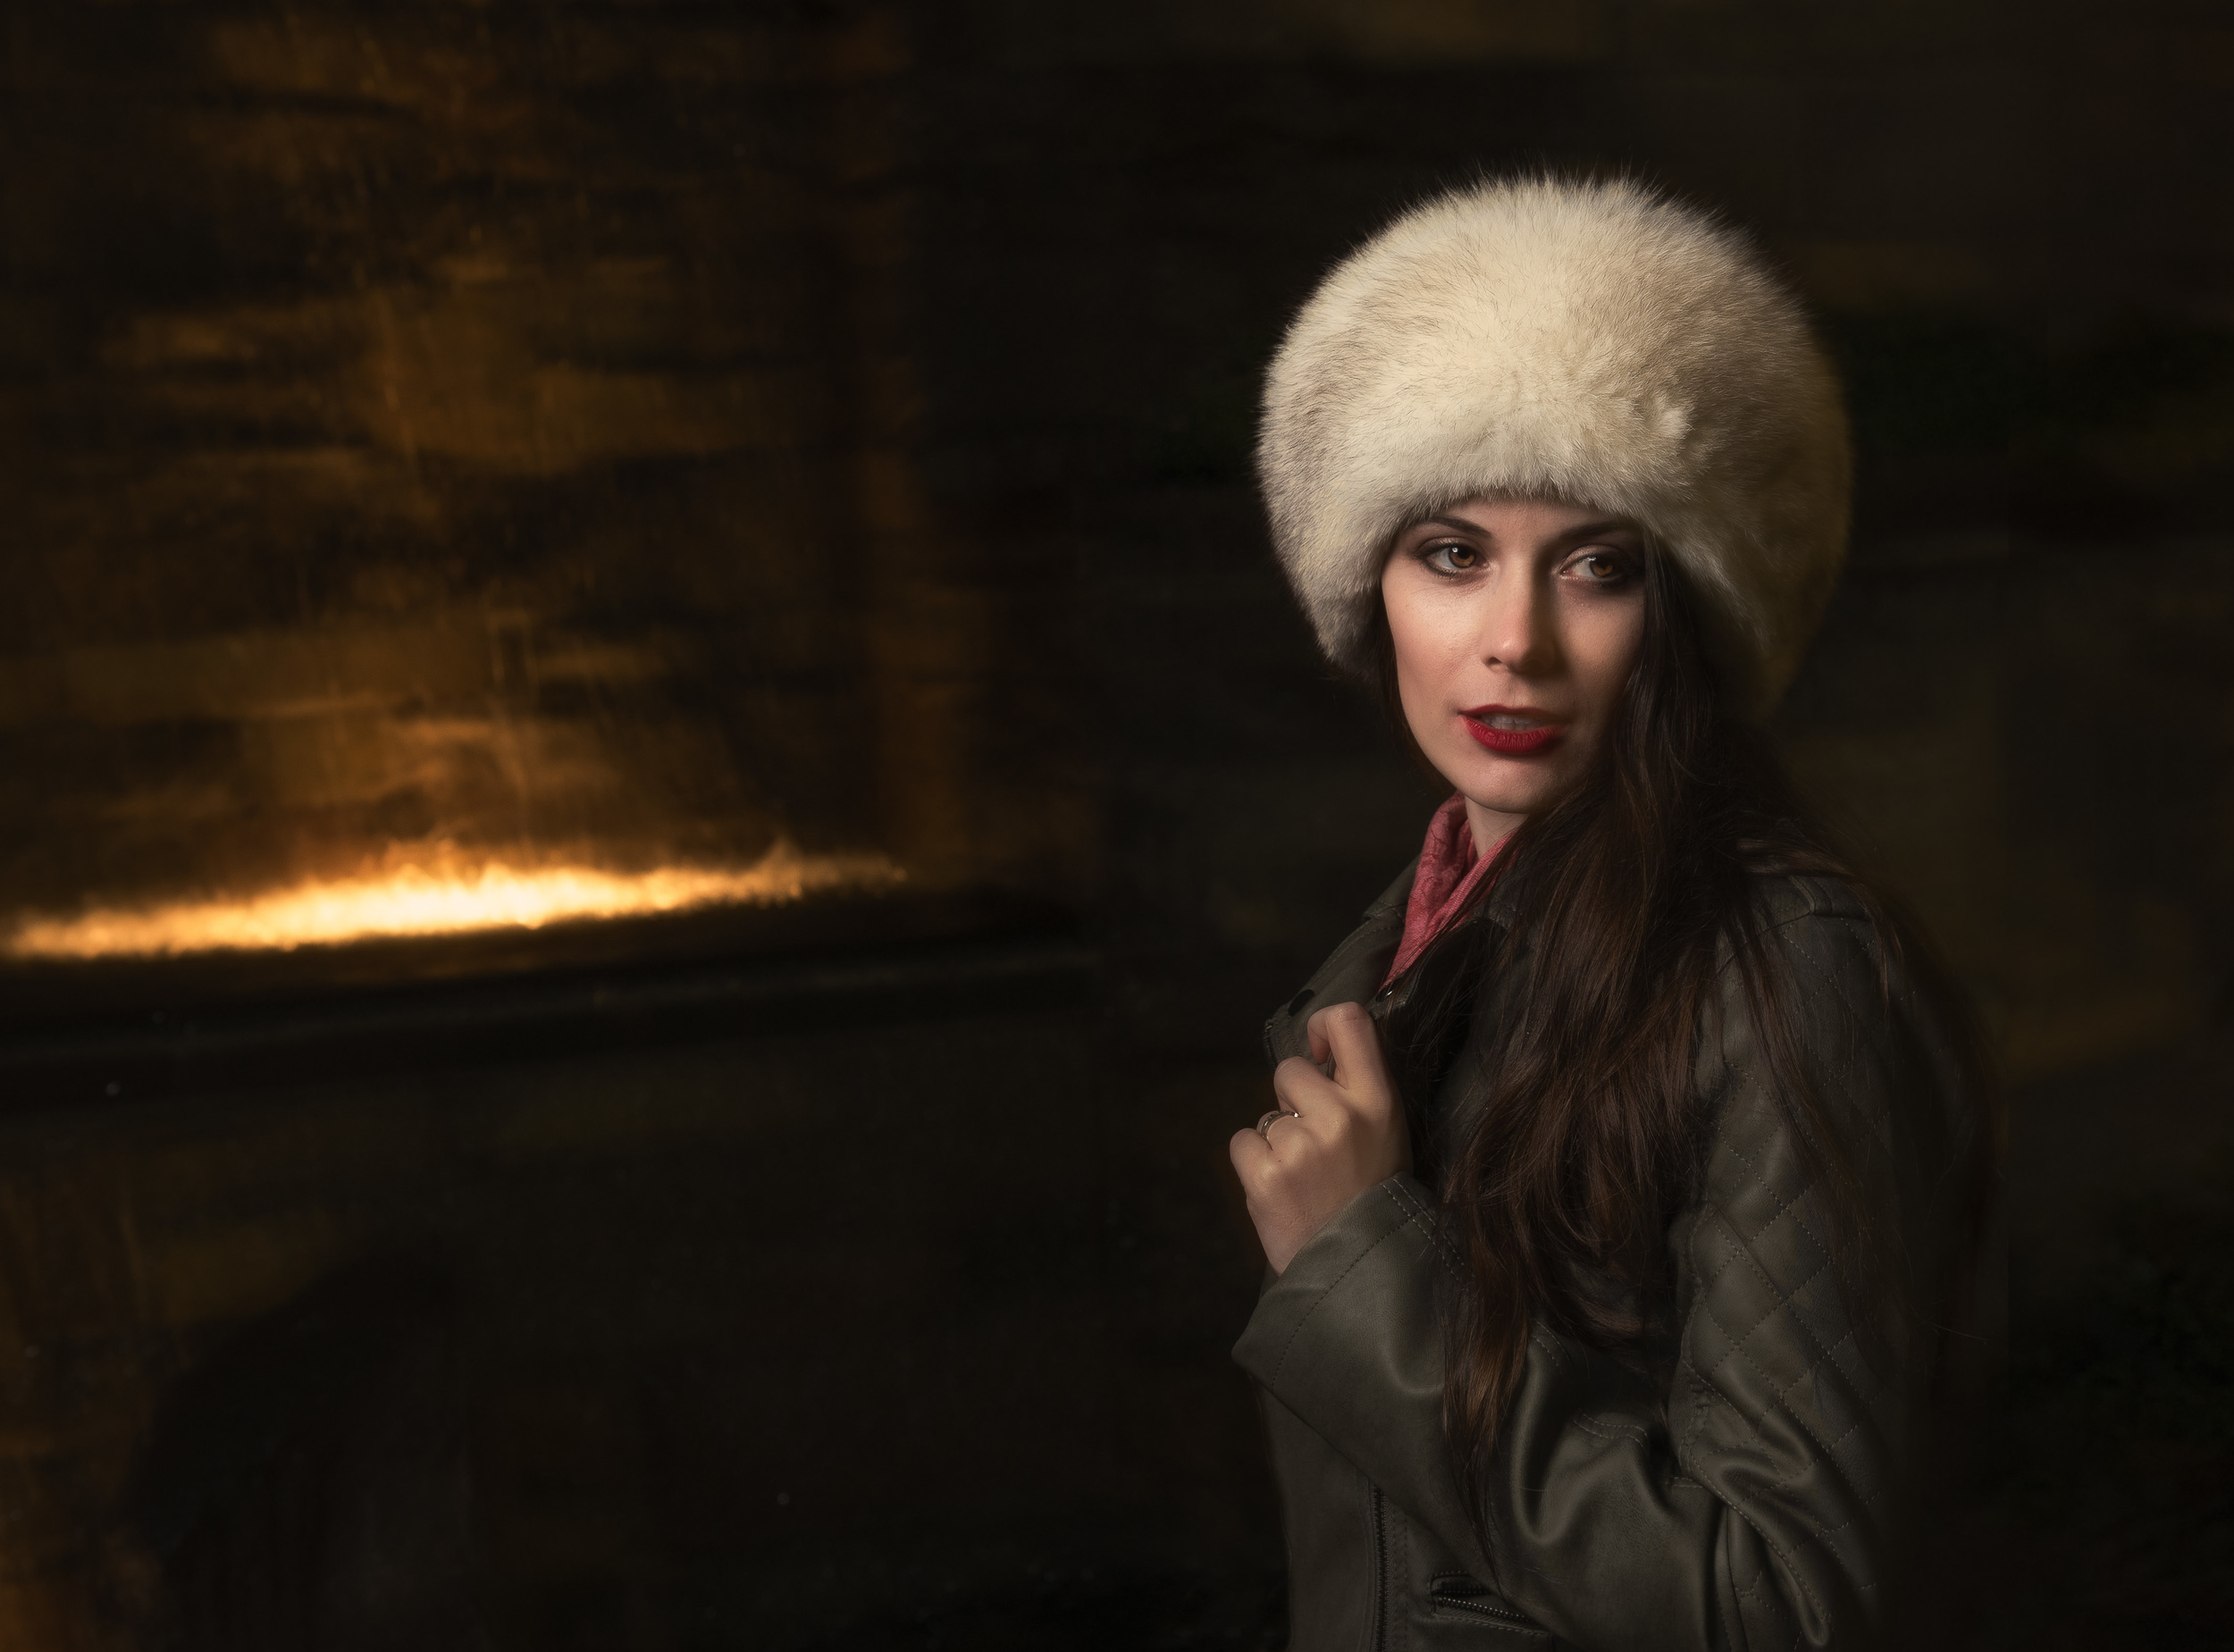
{"points": [[1592, 530], [1581, 531]]}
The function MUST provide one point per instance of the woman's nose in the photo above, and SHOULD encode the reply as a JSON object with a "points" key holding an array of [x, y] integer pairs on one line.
{"points": [[1517, 632]]}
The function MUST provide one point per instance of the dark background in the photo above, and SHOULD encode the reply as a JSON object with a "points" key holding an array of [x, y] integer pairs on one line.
{"points": [[660, 426]]}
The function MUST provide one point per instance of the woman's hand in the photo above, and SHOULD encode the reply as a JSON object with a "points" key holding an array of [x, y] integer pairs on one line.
{"points": [[1332, 1138]]}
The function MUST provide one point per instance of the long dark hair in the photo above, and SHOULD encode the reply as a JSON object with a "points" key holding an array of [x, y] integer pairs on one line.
{"points": [[1628, 897]]}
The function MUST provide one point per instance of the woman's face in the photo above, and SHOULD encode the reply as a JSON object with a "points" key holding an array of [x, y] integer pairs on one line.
{"points": [[1516, 622]]}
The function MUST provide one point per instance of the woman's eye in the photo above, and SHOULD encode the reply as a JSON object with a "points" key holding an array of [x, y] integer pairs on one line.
{"points": [[1451, 556], [1599, 567]]}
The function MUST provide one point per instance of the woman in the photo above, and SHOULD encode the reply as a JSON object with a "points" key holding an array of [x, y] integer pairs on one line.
{"points": [[1629, 1168]]}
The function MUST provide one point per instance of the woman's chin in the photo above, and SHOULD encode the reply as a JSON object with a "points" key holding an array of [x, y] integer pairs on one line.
{"points": [[1495, 786]]}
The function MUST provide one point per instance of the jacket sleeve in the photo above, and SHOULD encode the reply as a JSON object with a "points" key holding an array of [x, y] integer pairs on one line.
{"points": [[1755, 1502]]}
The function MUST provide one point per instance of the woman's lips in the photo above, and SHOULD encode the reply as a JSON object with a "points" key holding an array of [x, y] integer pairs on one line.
{"points": [[1508, 736]]}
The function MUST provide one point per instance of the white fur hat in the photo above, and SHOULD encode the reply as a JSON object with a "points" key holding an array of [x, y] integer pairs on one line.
{"points": [[1586, 341]]}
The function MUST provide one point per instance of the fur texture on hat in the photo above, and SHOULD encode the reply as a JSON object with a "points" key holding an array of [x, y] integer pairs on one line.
{"points": [[1592, 342]]}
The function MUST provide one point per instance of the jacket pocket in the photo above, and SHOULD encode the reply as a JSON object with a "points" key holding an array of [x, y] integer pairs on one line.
{"points": [[1456, 1597]]}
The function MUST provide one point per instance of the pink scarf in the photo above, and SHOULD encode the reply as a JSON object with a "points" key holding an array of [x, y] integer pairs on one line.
{"points": [[1451, 878]]}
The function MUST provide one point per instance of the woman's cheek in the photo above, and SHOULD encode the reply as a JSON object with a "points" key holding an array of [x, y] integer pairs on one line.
{"points": [[1608, 646]]}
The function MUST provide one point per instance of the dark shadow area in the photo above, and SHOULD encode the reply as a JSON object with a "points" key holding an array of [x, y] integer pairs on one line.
{"points": [[2107, 1498], [309, 1483], [1092, 1615]]}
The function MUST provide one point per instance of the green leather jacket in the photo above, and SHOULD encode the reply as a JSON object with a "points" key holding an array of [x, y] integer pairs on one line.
{"points": [[1746, 1482]]}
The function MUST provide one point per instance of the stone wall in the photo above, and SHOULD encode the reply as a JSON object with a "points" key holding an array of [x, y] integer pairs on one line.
{"points": [[440, 424]]}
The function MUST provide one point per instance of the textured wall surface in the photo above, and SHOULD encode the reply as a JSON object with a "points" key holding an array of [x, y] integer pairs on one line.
{"points": [[433, 424]]}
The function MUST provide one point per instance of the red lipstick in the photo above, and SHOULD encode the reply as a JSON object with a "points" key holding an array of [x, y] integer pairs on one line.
{"points": [[1512, 742]]}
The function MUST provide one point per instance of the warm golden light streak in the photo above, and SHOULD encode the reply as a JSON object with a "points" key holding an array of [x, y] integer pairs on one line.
{"points": [[436, 900]]}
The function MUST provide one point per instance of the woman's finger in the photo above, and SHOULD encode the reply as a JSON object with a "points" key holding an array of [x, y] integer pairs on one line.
{"points": [[1262, 1157], [1347, 1035], [1299, 1086], [1247, 1150]]}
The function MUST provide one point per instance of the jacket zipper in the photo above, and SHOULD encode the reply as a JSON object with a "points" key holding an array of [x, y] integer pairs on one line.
{"points": [[1380, 1572], [1496, 1614]]}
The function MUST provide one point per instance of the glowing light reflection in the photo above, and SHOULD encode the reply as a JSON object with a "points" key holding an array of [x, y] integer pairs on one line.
{"points": [[436, 900]]}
